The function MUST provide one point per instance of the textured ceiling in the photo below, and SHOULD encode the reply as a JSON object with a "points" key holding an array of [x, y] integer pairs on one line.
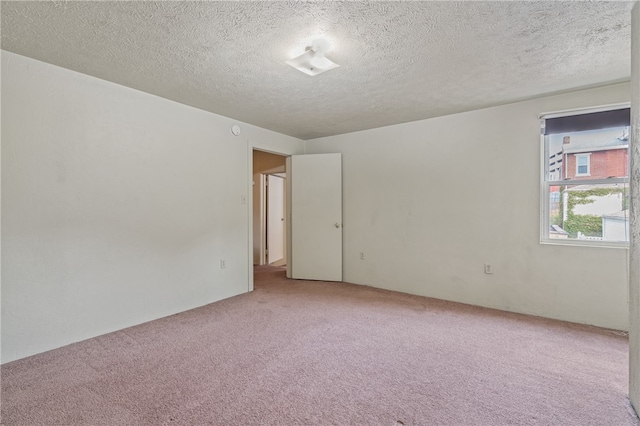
{"points": [[400, 61]]}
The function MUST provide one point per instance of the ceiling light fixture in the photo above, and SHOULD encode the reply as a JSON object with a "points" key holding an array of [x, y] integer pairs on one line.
{"points": [[313, 61]]}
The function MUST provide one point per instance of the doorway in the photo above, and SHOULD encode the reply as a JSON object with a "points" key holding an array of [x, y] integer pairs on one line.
{"points": [[275, 219], [269, 206]]}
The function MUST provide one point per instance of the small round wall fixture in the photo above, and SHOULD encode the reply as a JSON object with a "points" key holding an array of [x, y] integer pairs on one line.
{"points": [[235, 129]]}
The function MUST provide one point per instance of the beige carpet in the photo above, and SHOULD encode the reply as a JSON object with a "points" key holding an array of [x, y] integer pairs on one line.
{"points": [[302, 353]]}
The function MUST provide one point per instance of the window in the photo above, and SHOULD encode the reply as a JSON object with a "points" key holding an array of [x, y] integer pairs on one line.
{"points": [[585, 177], [582, 164]]}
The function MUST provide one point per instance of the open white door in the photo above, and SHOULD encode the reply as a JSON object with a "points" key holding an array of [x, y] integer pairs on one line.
{"points": [[314, 191], [275, 218]]}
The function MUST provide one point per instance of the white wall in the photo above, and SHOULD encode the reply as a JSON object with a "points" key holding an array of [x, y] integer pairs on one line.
{"points": [[430, 202], [634, 257], [117, 206]]}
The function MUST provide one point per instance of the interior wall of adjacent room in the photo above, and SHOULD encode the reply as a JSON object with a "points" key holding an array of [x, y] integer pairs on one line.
{"points": [[428, 203], [263, 162], [117, 206]]}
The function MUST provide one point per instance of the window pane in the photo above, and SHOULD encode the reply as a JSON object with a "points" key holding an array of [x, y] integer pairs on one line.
{"points": [[589, 212], [593, 154]]}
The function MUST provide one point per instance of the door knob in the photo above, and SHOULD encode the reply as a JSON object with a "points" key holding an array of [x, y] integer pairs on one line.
{"points": [[337, 225]]}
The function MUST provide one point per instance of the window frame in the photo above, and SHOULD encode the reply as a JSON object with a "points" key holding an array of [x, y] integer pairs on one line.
{"points": [[546, 183]]}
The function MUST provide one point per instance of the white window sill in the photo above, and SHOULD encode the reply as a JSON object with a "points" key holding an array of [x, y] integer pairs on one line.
{"points": [[584, 243]]}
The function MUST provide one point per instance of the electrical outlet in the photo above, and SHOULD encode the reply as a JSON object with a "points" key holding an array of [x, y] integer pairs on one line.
{"points": [[361, 255], [243, 199], [488, 268], [222, 264]]}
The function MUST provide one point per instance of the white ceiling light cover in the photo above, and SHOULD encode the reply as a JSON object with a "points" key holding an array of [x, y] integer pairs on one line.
{"points": [[313, 61]]}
